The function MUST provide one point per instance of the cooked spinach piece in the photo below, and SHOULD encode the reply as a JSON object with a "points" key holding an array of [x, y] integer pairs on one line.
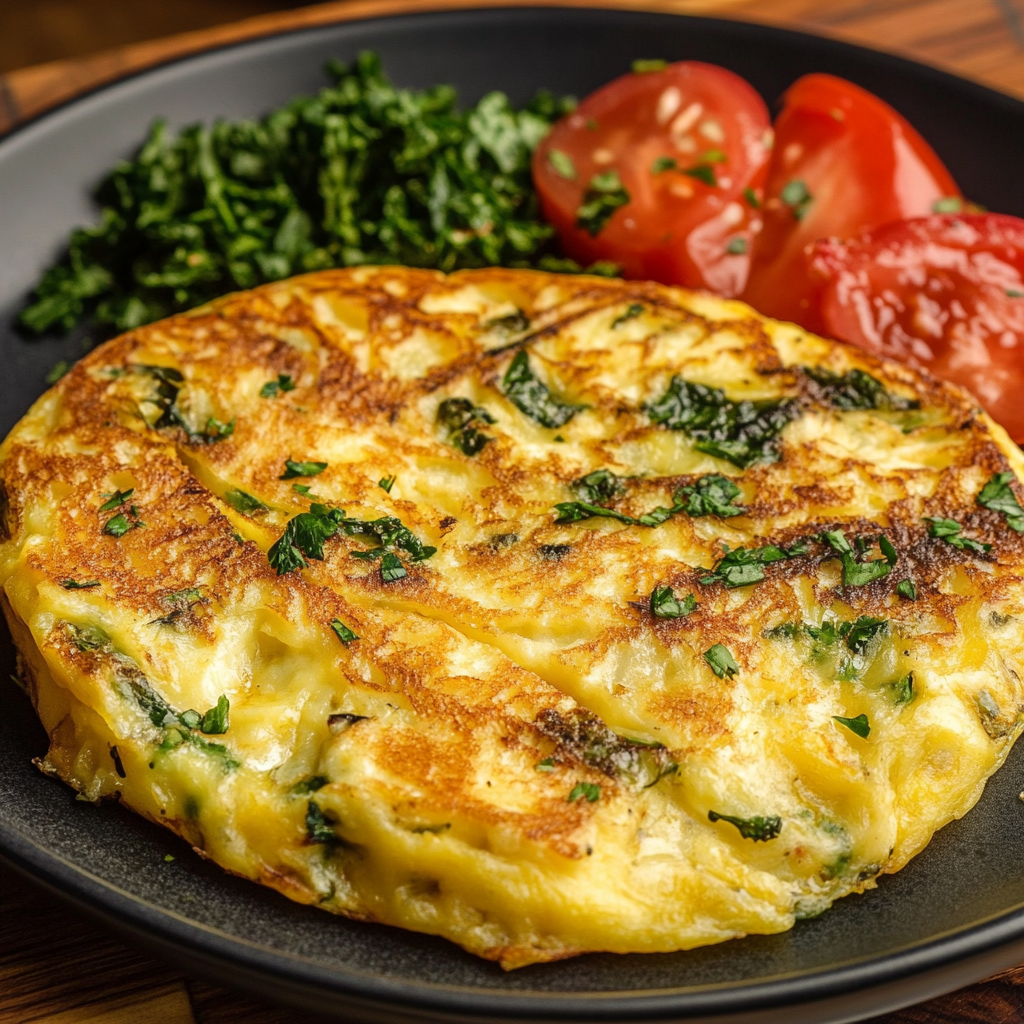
{"points": [[319, 828], [949, 530], [391, 567], [665, 604], [797, 197], [385, 483], [859, 574], [116, 499], [242, 502], [721, 661], [712, 495], [362, 173], [998, 496], [589, 791], [75, 585], [856, 390], [601, 485], [743, 566], [532, 396], [575, 511], [759, 829], [859, 726], [459, 417], [743, 433], [603, 196], [215, 721], [293, 469]]}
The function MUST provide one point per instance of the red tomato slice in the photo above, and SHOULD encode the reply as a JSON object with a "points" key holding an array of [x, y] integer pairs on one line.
{"points": [[844, 162], [942, 292], [650, 172]]}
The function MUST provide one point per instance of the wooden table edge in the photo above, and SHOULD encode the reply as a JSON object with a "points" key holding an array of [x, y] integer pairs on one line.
{"points": [[28, 92]]}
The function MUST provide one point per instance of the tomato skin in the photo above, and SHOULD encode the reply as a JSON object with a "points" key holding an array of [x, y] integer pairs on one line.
{"points": [[942, 292], [863, 165], [676, 228]]}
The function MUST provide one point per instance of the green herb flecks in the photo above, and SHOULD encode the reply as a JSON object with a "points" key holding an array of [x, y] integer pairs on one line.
{"points": [[856, 390], [215, 722], [561, 164], [743, 433], [589, 791], [949, 530], [998, 496], [293, 469], [79, 585], [704, 172], [361, 173], [859, 726], [345, 635], [751, 197], [796, 196], [737, 246], [546, 765], [632, 311], [242, 502], [712, 495], [665, 604], [532, 397], [600, 485], [907, 590], [116, 499], [319, 828], [759, 829], [901, 691], [127, 519], [576, 511], [169, 383], [459, 417], [663, 163], [721, 662], [859, 574], [273, 388], [312, 784], [603, 196], [304, 537], [742, 567]]}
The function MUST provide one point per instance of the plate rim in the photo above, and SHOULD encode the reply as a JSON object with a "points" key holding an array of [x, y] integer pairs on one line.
{"points": [[982, 941]]}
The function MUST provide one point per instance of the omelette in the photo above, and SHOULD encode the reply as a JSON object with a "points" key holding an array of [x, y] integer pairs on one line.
{"points": [[548, 614]]}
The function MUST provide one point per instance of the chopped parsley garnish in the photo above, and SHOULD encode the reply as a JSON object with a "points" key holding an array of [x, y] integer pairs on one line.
{"points": [[391, 568], [949, 530], [169, 384], [215, 721], [907, 590], [589, 791], [721, 661], [743, 566], [242, 502], [796, 196], [345, 635], [759, 829], [76, 585], [385, 483], [859, 726], [901, 691], [293, 469], [603, 196], [359, 173], [561, 164], [856, 390], [215, 430], [633, 310], [309, 785], [743, 433], [998, 496], [645, 67], [665, 604], [532, 397], [319, 828], [704, 172], [547, 765], [663, 163], [509, 325], [90, 638], [273, 388], [859, 574], [737, 246], [459, 416], [600, 485], [116, 499], [123, 522], [712, 495], [576, 511], [304, 537]]}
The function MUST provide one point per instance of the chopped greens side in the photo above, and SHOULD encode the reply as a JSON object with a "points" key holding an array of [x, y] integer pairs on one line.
{"points": [[361, 173], [998, 496], [532, 396], [856, 390], [743, 433], [459, 417], [759, 829]]}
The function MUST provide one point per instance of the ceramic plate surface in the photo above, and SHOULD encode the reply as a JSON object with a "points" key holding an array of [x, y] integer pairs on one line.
{"points": [[953, 915]]}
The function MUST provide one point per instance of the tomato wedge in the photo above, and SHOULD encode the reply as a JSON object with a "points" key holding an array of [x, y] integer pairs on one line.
{"points": [[942, 292], [660, 171], [844, 162]]}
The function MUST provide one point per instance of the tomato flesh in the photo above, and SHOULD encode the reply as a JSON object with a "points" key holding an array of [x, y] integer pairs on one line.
{"points": [[844, 162], [941, 292], [688, 146]]}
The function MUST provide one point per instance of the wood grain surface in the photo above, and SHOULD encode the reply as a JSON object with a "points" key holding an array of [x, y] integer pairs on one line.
{"points": [[57, 968]]}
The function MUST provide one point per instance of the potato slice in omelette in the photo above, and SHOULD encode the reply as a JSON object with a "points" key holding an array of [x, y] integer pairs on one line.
{"points": [[548, 614]]}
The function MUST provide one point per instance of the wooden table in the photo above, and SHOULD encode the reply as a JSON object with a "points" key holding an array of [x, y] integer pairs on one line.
{"points": [[60, 969]]}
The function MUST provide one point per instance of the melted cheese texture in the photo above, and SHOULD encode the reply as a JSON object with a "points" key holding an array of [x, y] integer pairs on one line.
{"points": [[515, 752]]}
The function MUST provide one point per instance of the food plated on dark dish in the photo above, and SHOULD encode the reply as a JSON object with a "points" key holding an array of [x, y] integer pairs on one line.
{"points": [[472, 581]]}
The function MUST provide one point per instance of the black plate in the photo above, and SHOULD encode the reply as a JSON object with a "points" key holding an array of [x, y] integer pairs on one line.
{"points": [[955, 914]]}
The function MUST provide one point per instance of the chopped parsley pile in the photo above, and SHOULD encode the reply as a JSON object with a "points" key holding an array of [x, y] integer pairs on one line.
{"points": [[362, 173]]}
